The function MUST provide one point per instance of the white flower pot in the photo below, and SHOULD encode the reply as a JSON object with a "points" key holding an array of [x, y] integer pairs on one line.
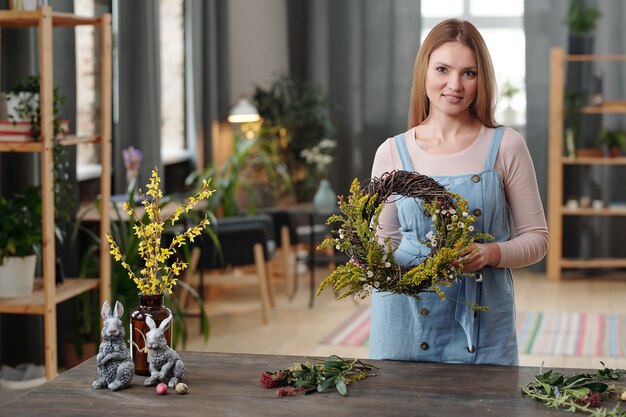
{"points": [[12, 102], [17, 275]]}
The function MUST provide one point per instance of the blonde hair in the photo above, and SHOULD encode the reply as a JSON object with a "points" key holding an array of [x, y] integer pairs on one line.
{"points": [[454, 30]]}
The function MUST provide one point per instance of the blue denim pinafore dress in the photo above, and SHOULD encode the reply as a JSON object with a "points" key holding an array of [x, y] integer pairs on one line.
{"points": [[432, 330]]}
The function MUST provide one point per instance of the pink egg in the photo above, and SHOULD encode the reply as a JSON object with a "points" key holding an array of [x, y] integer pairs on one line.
{"points": [[161, 389]]}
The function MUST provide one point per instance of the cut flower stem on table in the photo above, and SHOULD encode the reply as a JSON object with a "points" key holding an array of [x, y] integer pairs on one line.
{"points": [[317, 375], [578, 393]]}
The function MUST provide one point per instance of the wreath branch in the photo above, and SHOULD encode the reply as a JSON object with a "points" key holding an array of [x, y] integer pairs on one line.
{"points": [[372, 265]]}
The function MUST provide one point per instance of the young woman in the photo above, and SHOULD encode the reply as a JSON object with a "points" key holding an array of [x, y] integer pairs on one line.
{"points": [[454, 138]]}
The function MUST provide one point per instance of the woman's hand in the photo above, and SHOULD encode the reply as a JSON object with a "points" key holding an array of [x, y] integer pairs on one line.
{"points": [[479, 255]]}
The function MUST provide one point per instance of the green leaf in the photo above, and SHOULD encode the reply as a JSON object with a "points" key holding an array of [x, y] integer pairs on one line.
{"points": [[326, 383], [596, 386], [577, 392], [575, 378], [341, 387], [558, 382]]}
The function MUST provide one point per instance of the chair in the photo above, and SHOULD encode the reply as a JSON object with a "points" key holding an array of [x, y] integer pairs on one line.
{"points": [[241, 257], [299, 231], [286, 240]]}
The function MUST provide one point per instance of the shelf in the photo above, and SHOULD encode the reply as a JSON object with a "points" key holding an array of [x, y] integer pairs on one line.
{"points": [[596, 263], [30, 18], [596, 58], [588, 160], [47, 295], [557, 212], [30, 146], [606, 107], [593, 212], [37, 146], [78, 140], [34, 304]]}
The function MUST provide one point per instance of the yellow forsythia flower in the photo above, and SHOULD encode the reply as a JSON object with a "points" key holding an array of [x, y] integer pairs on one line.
{"points": [[157, 276]]}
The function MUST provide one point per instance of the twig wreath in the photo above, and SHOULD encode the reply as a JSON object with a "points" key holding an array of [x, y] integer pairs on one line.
{"points": [[372, 265]]}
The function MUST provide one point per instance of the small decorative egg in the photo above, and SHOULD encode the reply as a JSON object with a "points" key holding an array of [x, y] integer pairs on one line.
{"points": [[181, 388], [161, 389]]}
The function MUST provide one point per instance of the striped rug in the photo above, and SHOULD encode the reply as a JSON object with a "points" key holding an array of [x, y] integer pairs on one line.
{"points": [[570, 334]]}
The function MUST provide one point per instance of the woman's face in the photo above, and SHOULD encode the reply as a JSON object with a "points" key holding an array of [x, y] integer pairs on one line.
{"points": [[451, 78]]}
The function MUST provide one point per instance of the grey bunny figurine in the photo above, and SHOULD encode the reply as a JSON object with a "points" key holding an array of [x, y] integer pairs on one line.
{"points": [[115, 366], [165, 364]]}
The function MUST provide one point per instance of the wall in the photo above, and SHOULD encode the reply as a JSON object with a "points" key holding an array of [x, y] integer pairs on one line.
{"points": [[258, 44]]}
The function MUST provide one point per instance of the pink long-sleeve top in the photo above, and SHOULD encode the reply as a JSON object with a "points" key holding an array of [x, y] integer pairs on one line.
{"points": [[514, 166]]}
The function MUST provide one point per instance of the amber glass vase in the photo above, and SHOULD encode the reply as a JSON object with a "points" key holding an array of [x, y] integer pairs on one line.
{"points": [[149, 305]]}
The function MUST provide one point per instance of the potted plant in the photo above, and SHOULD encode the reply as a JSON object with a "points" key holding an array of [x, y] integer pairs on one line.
{"points": [[509, 91], [84, 328], [159, 265], [581, 21], [580, 18], [295, 118], [614, 140], [20, 242], [26, 96], [253, 170]]}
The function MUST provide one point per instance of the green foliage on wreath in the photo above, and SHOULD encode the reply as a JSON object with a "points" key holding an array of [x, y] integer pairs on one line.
{"points": [[372, 265]]}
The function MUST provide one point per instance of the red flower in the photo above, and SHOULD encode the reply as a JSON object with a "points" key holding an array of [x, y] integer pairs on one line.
{"points": [[273, 379], [288, 391], [593, 399]]}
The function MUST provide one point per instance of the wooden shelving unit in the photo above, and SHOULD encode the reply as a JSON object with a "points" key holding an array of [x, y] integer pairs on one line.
{"points": [[557, 162], [47, 295]]}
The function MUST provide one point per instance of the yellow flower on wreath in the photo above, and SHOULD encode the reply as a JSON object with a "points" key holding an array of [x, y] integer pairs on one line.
{"points": [[158, 275]]}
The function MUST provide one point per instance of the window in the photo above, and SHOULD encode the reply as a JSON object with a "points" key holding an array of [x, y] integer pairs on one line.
{"points": [[502, 26], [172, 38], [87, 88], [173, 147]]}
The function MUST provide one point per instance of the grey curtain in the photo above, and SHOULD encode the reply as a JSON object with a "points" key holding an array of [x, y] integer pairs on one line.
{"points": [[207, 92], [544, 30], [361, 53], [136, 97]]}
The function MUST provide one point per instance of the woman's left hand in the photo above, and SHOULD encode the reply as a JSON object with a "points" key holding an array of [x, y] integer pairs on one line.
{"points": [[479, 255]]}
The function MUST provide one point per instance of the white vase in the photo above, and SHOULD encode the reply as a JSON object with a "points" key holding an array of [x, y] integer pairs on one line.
{"points": [[17, 275], [325, 198]]}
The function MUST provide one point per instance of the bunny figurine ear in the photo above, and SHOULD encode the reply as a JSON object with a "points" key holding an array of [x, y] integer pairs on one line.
{"points": [[165, 323], [150, 322], [106, 309], [119, 310]]}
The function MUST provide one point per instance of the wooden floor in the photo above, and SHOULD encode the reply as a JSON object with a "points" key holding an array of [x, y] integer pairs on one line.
{"points": [[296, 329]]}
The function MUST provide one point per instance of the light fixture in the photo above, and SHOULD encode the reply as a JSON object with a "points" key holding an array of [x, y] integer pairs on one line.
{"points": [[243, 112]]}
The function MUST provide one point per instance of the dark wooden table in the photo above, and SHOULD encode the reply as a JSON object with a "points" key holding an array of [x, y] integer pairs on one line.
{"points": [[222, 384]]}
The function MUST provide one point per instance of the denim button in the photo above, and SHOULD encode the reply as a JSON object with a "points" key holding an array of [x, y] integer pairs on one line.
{"points": [[424, 312], [475, 178], [477, 212], [424, 346], [471, 349]]}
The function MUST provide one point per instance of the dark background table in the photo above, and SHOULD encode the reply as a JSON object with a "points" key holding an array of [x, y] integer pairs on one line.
{"points": [[222, 384]]}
